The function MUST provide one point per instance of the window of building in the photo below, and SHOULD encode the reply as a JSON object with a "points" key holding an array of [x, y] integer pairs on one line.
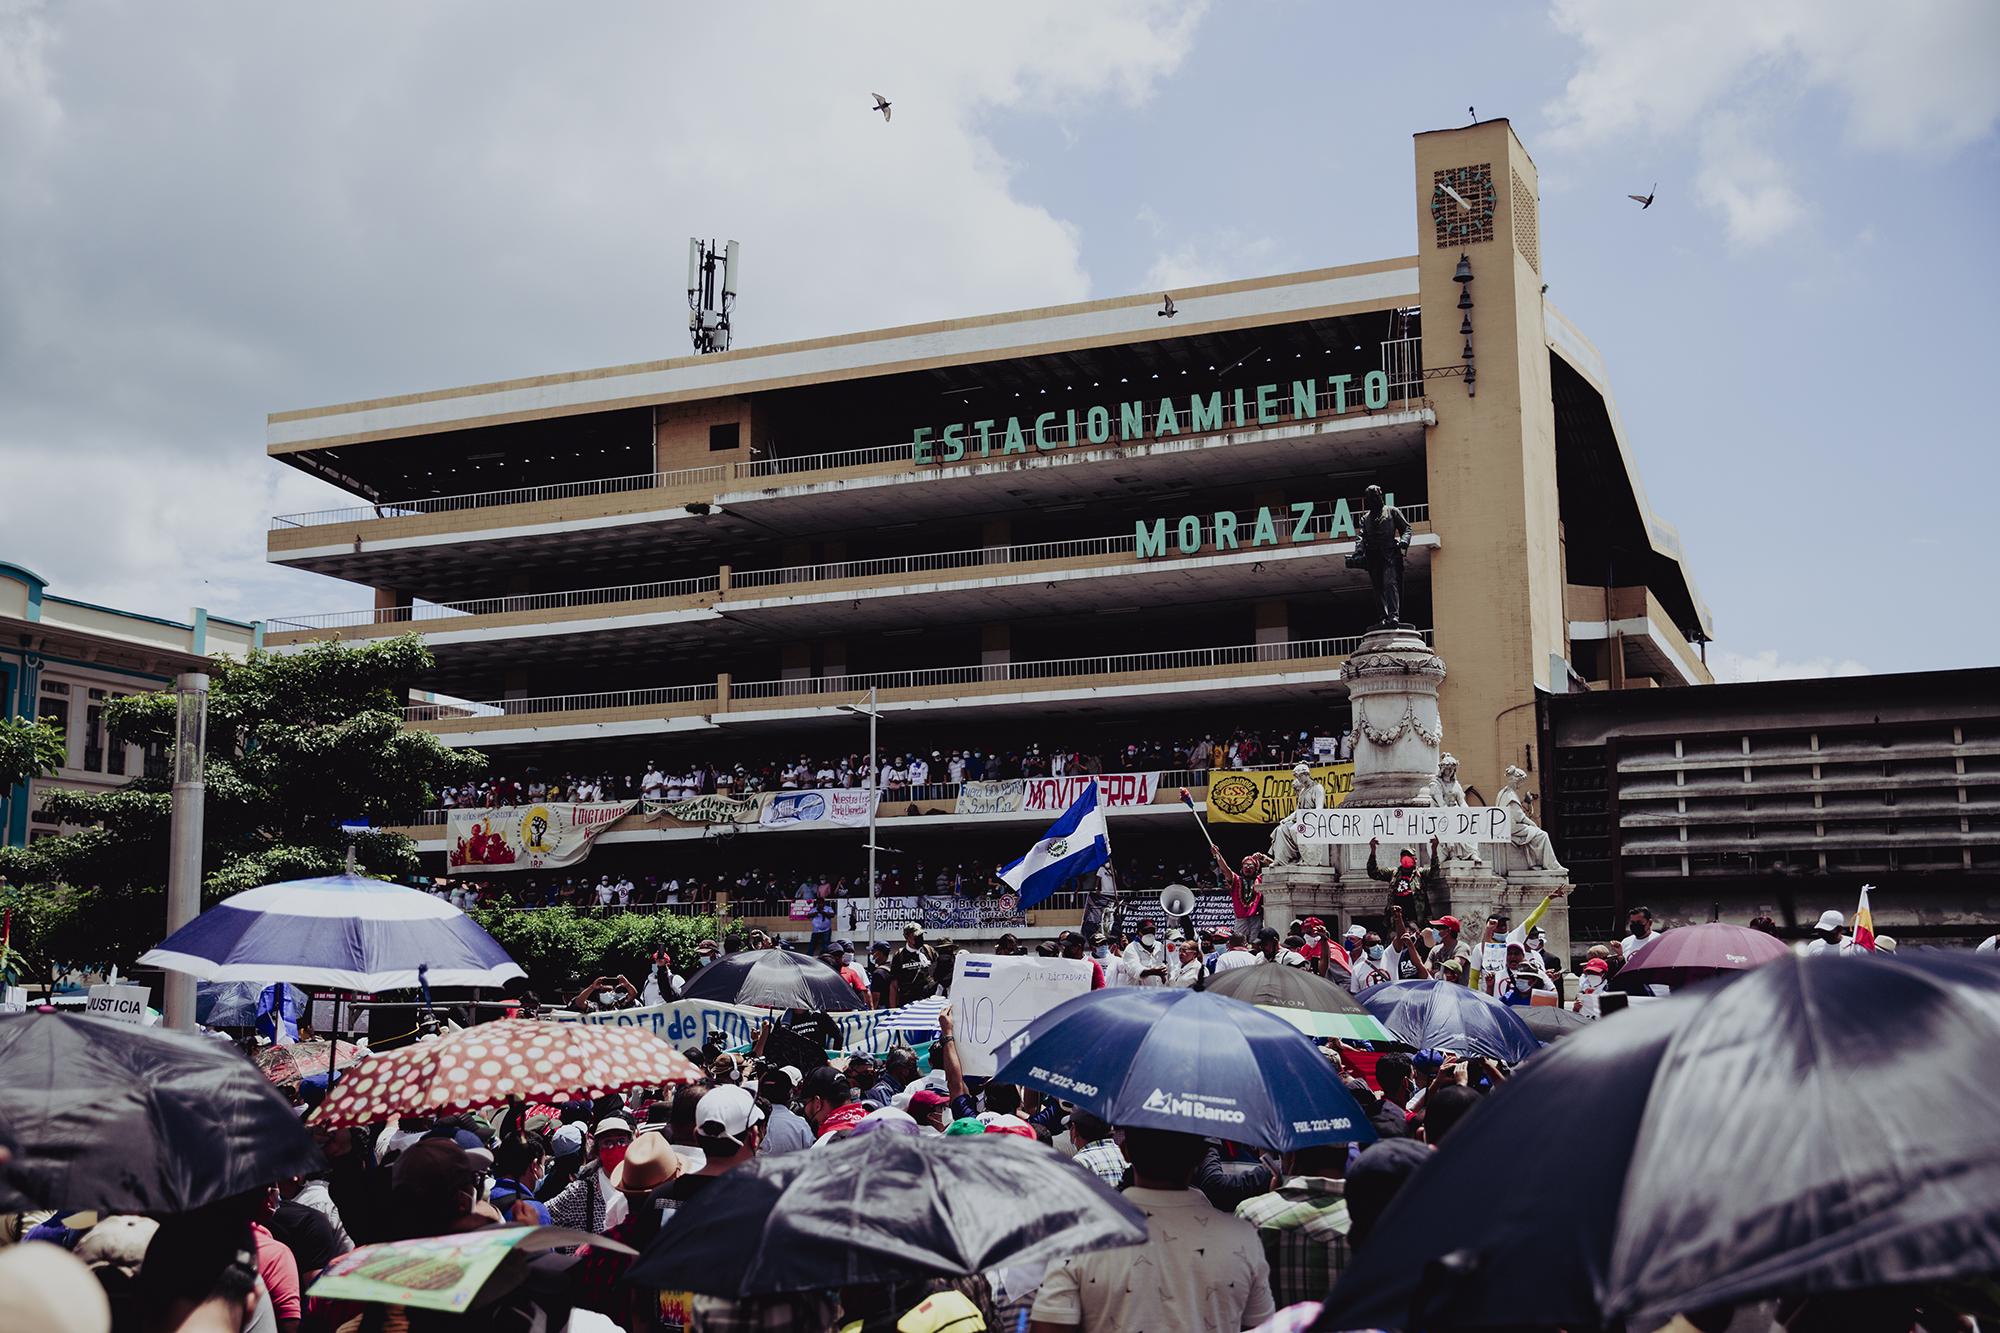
{"points": [[93, 733], [54, 707], [726, 436]]}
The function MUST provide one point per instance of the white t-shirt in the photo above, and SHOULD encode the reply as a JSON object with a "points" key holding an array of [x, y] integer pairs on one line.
{"points": [[920, 772], [604, 892], [653, 785], [1234, 958], [1198, 1269], [1630, 944]]}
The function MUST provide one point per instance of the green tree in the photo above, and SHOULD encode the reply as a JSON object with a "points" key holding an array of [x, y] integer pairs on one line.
{"points": [[29, 749], [561, 948], [298, 743]]}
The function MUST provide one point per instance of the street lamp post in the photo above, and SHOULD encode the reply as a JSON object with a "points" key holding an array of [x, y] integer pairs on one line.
{"points": [[184, 850], [874, 799]]}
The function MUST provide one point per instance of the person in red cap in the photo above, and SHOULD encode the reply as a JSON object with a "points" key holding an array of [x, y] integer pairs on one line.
{"points": [[1589, 985], [930, 1109], [1449, 947]]}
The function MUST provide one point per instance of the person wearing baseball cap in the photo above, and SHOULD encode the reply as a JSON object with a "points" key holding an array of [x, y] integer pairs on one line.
{"points": [[930, 1109], [1829, 935], [727, 1129], [1450, 946], [784, 1129], [590, 1202], [649, 1166]]}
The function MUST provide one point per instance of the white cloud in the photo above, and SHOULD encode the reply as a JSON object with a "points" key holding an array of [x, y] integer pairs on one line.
{"points": [[1746, 184], [215, 213], [1214, 256], [1767, 665], [1914, 78]]}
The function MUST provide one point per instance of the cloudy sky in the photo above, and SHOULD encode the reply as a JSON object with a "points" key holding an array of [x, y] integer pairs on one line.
{"points": [[209, 212]]}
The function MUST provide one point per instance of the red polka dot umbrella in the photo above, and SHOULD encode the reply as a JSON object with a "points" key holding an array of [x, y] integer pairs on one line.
{"points": [[493, 1063]]}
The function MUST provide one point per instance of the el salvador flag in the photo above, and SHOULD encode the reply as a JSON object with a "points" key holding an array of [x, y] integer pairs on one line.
{"points": [[1075, 845]]}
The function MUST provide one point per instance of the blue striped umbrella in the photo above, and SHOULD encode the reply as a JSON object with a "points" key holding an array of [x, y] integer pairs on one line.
{"points": [[345, 932]]}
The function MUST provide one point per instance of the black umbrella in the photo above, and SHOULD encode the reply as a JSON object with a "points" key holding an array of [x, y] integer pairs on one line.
{"points": [[1309, 1003], [885, 1208], [1812, 1126], [1548, 1021], [773, 979], [130, 1119]]}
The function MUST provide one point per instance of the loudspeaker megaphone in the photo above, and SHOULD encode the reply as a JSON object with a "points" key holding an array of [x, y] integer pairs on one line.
{"points": [[1177, 900]]}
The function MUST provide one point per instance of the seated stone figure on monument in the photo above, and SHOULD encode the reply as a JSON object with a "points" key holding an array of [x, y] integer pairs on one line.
{"points": [[1308, 793], [1446, 790], [1522, 830], [1382, 538]]}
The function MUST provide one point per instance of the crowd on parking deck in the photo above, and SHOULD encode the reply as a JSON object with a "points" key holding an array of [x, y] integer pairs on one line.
{"points": [[899, 774]]}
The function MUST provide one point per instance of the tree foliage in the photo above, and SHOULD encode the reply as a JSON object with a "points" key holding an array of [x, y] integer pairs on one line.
{"points": [[29, 749], [561, 948], [298, 744]]}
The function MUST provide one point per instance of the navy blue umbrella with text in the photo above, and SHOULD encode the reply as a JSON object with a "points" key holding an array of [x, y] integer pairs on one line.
{"points": [[1162, 1058]]}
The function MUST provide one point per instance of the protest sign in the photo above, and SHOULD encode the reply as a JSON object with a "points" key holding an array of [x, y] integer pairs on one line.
{"points": [[1410, 825], [1326, 748], [994, 998], [538, 836], [125, 1004], [823, 807], [701, 811], [990, 798], [1265, 795], [683, 1023], [1055, 795]]}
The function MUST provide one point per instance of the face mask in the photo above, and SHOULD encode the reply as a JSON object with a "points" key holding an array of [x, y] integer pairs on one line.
{"points": [[1374, 953], [607, 996], [611, 1154], [1523, 986], [1410, 863], [1146, 938]]}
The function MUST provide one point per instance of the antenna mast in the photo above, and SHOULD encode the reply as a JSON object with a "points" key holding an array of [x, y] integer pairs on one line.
{"points": [[708, 317]]}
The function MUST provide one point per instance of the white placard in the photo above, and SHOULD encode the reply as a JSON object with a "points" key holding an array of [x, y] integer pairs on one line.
{"points": [[126, 1004], [994, 998], [1409, 824]]}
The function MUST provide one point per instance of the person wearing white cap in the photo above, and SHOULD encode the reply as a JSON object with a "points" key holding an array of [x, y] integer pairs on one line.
{"points": [[1829, 934], [591, 1202], [727, 1129], [786, 1130]]}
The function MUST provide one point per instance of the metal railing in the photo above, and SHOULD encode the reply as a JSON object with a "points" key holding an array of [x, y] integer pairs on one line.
{"points": [[495, 606], [1180, 659], [562, 703], [560, 490], [1404, 384], [1082, 548]]}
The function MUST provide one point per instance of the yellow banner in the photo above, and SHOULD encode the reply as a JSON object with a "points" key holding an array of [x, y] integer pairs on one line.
{"points": [[1264, 796]]}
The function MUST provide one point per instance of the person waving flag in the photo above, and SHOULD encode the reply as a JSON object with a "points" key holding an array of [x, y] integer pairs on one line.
{"points": [[1075, 844], [1864, 923]]}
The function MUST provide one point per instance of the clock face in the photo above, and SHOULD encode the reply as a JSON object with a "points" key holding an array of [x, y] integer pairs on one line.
{"points": [[1455, 223]]}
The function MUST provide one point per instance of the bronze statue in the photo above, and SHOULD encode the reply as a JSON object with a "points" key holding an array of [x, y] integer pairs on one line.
{"points": [[1381, 538]]}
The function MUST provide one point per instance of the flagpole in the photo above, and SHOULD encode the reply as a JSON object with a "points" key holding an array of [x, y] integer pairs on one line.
{"points": [[874, 799]]}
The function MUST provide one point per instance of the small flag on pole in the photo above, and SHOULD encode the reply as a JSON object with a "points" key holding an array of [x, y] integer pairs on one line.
{"points": [[1075, 844], [1864, 923]]}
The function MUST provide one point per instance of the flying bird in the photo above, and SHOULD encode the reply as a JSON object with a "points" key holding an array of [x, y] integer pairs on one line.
{"points": [[1645, 201], [1167, 308], [882, 105]]}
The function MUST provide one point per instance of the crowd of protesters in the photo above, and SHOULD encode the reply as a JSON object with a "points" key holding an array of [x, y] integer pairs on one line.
{"points": [[899, 774]]}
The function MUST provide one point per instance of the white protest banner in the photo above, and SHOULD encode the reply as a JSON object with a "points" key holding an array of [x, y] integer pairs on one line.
{"points": [[684, 1023], [994, 998], [526, 837], [1326, 748], [989, 798], [1056, 795], [851, 914], [823, 807], [1409, 824], [126, 1004]]}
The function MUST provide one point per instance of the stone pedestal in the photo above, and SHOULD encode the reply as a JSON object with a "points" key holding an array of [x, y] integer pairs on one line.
{"points": [[1469, 892], [1393, 679]]}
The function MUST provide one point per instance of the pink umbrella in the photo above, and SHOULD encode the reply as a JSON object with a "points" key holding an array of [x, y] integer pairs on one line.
{"points": [[1693, 953]]}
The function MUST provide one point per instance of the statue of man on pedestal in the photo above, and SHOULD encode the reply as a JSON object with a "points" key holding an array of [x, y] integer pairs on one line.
{"points": [[1381, 538]]}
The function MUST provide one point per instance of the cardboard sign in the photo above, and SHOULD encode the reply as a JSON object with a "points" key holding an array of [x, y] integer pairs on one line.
{"points": [[994, 998], [125, 1004]]}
